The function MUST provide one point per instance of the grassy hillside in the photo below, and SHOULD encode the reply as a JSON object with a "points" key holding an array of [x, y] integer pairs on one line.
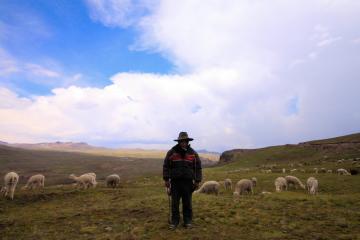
{"points": [[345, 139], [57, 166], [139, 208], [318, 152]]}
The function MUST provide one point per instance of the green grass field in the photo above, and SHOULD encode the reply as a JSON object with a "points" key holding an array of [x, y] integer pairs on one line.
{"points": [[138, 209]]}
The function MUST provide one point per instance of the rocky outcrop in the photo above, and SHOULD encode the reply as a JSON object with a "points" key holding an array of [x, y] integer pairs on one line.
{"points": [[335, 146], [228, 156]]}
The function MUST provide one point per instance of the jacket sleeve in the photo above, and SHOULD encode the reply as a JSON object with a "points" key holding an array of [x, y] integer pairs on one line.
{"points": [[166, 166], [198, 168]]}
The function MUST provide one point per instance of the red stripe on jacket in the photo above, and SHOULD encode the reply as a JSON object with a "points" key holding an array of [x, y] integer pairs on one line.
{"points": [[177, 157]]}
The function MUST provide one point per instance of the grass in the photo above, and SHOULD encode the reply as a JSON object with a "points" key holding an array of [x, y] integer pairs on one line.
{"points": [[139, 208]]}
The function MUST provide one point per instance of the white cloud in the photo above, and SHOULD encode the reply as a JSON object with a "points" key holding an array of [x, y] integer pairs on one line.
{"points": [[8, 64], [356, 40], [42, 71], [113, 13], [234, 86], [313, 55], [9, 100], [48, 73], [159, 106], [328, 41]]}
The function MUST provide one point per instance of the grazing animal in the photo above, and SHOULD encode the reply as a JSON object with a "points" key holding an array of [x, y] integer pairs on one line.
{"points": [[36, 181], [293, 170], [10, 181], [342, 171], [244, 186], [209, 187], [294, 181], [284, 170], [112, 180], [84, 181], [329, 171], [312, 185], [254, 181], [228, 183], [316, 170], [280, 184]]}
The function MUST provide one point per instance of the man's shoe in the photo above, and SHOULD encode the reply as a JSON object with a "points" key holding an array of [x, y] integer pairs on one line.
{"points": [[172, 226], [187, 225]]}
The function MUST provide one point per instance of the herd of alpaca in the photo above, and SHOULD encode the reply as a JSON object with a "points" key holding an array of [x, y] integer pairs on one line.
{"points": [[246, 186], [37, 181], [243, 186]]}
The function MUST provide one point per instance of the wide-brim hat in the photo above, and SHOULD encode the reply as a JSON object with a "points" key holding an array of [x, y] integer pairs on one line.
{"points": [[183, 136]]}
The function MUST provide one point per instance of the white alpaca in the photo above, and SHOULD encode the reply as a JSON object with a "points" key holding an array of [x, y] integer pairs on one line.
{"points": [[10, 181], [36, 181], [280, 184], [342, 171], [112, 180], [312, 185], [254, 181], [209, 187], [244, 186], [292, 180], [84, 181], [228, 183]]}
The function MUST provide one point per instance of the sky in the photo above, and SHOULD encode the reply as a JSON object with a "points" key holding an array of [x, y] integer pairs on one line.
{"points": [[233, 74]]}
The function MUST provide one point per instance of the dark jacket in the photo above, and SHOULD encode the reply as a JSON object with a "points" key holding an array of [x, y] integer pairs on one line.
{"points": [[181, 164]]}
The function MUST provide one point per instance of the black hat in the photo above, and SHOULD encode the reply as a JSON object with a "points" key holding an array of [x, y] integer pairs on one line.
{"points": [[183, 136]]}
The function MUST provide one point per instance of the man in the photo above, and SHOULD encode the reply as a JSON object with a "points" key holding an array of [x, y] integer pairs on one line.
{"points": [[182, 174]]}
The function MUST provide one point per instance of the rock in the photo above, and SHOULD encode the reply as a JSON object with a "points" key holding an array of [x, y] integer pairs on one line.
{"points": [[108, 229]]}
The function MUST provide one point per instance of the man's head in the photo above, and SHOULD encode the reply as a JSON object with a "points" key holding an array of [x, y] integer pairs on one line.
{"points": [[184, 143]]}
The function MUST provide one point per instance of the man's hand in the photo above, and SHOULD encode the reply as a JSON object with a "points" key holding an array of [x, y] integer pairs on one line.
{"points": [[167, 184]]}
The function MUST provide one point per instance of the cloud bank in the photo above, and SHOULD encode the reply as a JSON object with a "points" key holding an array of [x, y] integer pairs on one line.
{"points": [[248, 74]]}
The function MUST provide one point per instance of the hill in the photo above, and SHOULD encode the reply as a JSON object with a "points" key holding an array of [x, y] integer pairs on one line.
{"points": [[307, 153], [208, 158], [59, 146]]}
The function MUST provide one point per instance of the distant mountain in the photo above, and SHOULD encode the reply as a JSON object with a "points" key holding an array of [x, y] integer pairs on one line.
{"points": [[208, 158], [59, 146], [206, 151]]}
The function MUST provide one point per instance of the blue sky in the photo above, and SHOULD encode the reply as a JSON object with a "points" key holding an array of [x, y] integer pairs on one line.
{"points": [[62, 36], [134, 73]]}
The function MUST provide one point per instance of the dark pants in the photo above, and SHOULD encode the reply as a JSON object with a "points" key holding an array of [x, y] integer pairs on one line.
{"points": [[181, 189]]}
